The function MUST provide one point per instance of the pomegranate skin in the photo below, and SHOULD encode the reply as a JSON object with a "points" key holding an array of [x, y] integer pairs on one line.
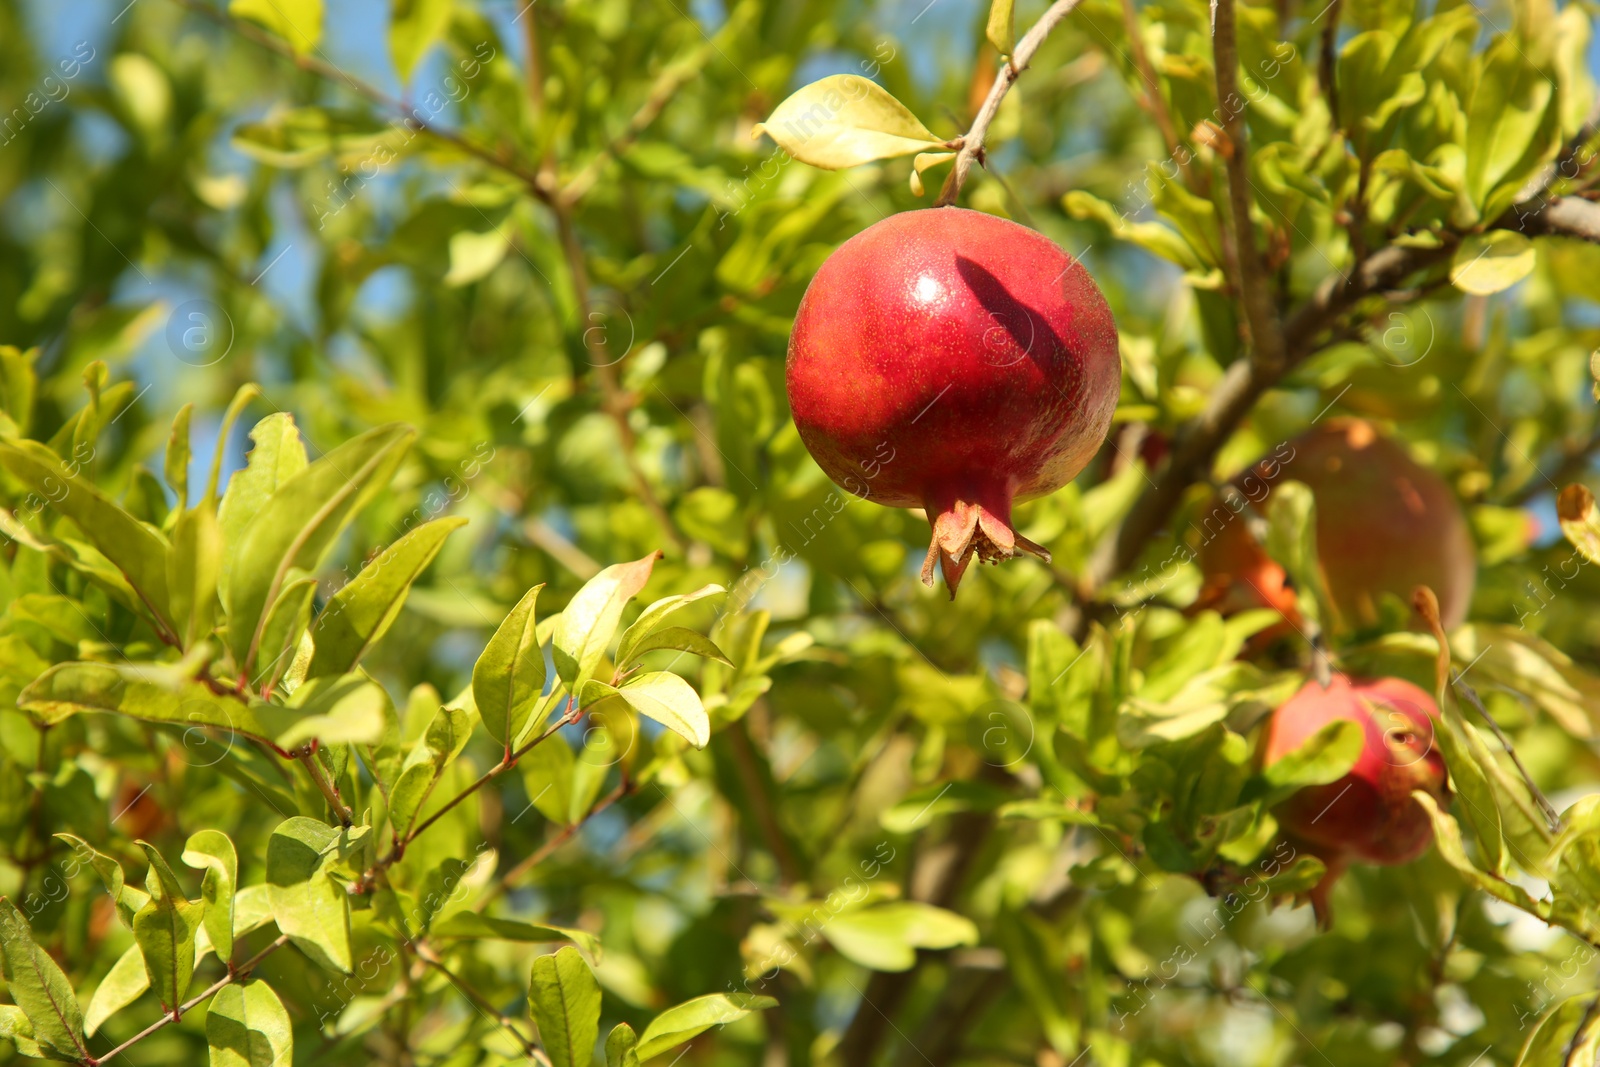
{"points": [[954, 361], [1385, 524], [1369, 815]]}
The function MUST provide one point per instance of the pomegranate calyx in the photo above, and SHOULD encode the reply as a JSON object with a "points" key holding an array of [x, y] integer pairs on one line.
{"points": [[966, 529]]}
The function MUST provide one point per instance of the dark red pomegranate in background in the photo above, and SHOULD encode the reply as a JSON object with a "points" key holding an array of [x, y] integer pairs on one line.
{"points": [[1369, 815], [1385, 524], [954, 361]]}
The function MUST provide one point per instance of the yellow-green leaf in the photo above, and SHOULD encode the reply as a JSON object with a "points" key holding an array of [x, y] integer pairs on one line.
{"points": [[1490, 262], [845, 120]]}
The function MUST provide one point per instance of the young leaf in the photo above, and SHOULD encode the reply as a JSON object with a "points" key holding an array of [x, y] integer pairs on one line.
{"points": [[38, 987], [1326, 757], [1568, 1035], [845, 120], [584, 629], [193, 563], [886, 937], [509, 675], [165, 930], [666, 698], [1487, 263], [414, 26], [1002, 27], [446, 736], [360, 614], [300, 522], [278, 456], [212, 851], [680, 638], [176, 467], [15, 1028], [350, 709], [653, 617], [297, 21], [246, 1026], [309, 906], [135, 549], [472, 926], [622, 1047], [286, 622], [128, 899], [694, 1017], [565, 1001], [125, 983]]}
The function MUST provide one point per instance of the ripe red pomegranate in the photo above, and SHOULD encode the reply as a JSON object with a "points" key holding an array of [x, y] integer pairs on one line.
{"points": [[954, 361], [1369, 815], [1385, 524]]}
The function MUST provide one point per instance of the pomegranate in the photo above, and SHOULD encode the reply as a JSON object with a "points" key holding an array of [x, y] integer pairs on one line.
{"points": [[1369, 815], [954, 361], [1385, 524]]}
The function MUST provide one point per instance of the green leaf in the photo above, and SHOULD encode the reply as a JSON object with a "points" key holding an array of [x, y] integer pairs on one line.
{"points": [[666, 698], [676, 637], [277, 457], [886, 937], [346, 710], [446, 735], [1487, 263], [1001, 29], [509, 676], [15, 1028], [1326, 756], [285, 624], [137, 550], [307, 903], [622, 1047], [358, 615], [176, 466], [212, 851], [128, 899], [414, 27], [584, 629], [1513, 126], [472, 926], [193, 564], [547, 772], [125, 983], [37, 986], [565, 1001], [246, 1026], [1447, 839], [165, 930], [297, 21], [653, 617], [299, 523], [845, 120], [151, 693], [1567, 1036], [694, 1017], [1292, 543]]}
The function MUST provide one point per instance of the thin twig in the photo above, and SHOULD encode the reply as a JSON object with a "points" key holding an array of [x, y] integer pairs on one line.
{"points": [[1151, 99], [235, 974], [330, 792], [972, 144], [328, 72], [1266, 332]]}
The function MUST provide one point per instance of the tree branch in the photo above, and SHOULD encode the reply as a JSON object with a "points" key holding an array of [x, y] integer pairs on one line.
{"points": [[1266, 333], [539, 855], [235, 974], [972, 145]]}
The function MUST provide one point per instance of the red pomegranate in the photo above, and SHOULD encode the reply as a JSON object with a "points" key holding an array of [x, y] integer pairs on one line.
{"points": [[1385, 524], [954, 361], [1369, 815]]}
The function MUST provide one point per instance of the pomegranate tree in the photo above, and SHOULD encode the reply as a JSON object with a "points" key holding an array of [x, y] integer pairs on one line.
{"points": [[974, 352], [1369, 815], [1385, 524]]}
